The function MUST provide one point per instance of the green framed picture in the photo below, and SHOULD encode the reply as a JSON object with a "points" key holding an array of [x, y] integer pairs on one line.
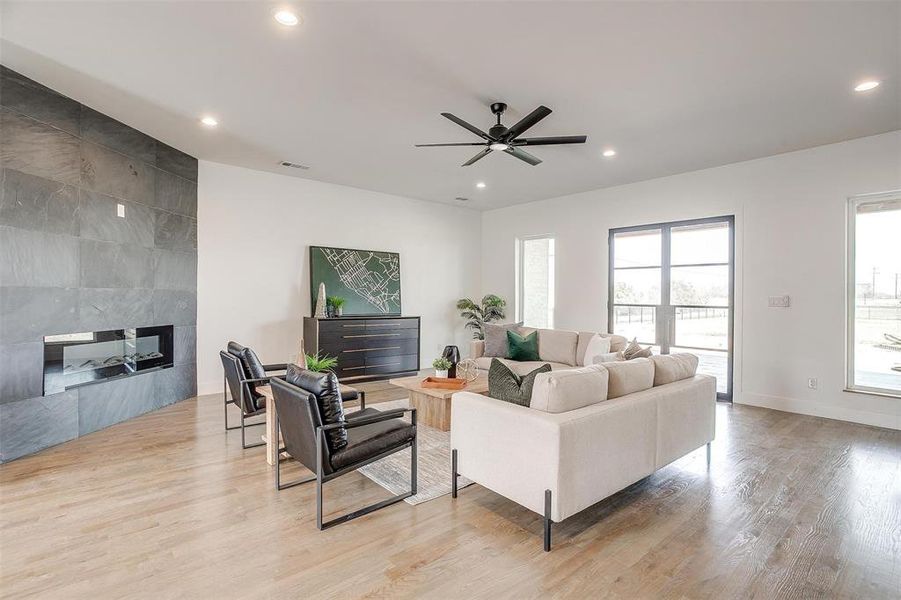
{"points": [[368, 280]]}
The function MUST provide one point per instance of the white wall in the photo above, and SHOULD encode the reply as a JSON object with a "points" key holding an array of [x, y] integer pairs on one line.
{"points": [[790, 239], [254, 233]]}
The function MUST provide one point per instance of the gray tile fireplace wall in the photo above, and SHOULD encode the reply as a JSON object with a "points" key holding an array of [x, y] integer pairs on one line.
{"points": [[69, 264]]}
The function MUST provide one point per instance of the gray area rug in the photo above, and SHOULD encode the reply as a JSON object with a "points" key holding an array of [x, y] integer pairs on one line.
{"points": [[434, 463]]}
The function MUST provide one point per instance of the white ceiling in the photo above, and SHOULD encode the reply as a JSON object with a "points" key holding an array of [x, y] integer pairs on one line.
{"points": [[674, 87]]}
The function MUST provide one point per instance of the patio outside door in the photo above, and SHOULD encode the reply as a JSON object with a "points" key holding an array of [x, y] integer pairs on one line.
{"points": [[671, 286]]}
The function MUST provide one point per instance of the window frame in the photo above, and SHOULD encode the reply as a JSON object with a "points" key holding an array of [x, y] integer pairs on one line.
{"points": [[854, 202], [520, 277]]}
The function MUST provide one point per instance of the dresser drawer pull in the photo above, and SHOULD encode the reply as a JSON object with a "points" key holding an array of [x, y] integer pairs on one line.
{"points": [[353, 326], [368, 335], [370, 366], [373, 349]]}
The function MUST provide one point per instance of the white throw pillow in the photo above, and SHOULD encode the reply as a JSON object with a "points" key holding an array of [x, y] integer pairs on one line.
{"points": [[597, 346], [608, 358]]}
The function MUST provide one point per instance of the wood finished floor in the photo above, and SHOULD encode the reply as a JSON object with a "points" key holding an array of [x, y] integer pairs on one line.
{"points": [[169, 506]]}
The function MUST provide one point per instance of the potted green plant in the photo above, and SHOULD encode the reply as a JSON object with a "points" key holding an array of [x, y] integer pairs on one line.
{"points": [[321, 364], [441, 366], [476, 315], [336, 304]]}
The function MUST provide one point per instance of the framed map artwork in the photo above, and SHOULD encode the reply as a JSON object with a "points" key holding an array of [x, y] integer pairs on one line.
{"points": [[368, 280]]}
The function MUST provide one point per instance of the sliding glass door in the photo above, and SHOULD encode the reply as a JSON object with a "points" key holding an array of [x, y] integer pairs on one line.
{"points": [[672, 287]]}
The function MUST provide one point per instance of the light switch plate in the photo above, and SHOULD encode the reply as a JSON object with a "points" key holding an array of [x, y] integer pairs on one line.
{"points": [[120, 210], [779, 302]]}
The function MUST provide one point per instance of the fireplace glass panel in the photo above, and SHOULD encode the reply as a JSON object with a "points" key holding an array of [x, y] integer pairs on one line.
{"points": [[77, 359]]}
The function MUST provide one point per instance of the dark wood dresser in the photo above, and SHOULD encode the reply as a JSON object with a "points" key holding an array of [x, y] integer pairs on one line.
{"points": [[366, 347]]}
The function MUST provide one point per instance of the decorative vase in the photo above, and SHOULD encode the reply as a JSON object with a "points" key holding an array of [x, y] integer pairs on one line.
{"points": [[452, 353], [442, 373], [320, 303], [339, 311]]}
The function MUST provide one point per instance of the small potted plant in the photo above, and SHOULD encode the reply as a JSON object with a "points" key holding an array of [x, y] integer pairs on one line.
{"points": [[335, 304], [321, 364], [441, 366]]}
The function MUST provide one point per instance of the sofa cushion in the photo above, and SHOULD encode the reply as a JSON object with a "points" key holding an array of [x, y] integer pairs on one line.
{"points": [[556, 345], [324, 386], [670, 368], [597, 346], [561, 391], [617, 343], [504, 384], [522, 347], [629, 376], [496, 338]]}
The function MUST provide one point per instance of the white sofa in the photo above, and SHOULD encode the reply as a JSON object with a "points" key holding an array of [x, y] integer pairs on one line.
{"points": [[557, 347], [587, 433]]}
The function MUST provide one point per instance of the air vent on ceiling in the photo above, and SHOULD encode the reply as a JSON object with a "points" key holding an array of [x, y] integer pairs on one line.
{"points": [[286, 163], [461, 199]]}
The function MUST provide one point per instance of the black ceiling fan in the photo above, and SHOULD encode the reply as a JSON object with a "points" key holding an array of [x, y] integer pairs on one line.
{"points": [[505, 139]]}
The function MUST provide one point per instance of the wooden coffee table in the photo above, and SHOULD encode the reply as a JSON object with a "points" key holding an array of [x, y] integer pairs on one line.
{"points": [[433, 405]]}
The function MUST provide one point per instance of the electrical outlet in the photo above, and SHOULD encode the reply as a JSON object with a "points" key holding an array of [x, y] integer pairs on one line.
{"points": [[779, 301], [812, 383]]}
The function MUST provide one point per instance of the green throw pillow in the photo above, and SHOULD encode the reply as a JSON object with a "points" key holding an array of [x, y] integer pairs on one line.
{"points": [[523, 348], [504, 384]]}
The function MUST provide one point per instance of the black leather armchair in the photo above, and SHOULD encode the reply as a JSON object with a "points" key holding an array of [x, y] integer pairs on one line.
{"points": [[371, 435], [242, 374]]}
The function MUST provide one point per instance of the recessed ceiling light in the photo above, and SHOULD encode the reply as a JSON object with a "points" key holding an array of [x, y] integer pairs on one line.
{"points": [[209, 121], [609, 153], [865, 86], [287, 18], [499, 146], [480, 185]]}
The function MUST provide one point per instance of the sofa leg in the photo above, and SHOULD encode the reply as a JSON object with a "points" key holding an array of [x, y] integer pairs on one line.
{"points": [[547, 520], [454, 473], [708, 453]]}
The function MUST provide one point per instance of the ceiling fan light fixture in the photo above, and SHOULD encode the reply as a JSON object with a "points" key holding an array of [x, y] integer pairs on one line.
{"points": [[498, 146]]}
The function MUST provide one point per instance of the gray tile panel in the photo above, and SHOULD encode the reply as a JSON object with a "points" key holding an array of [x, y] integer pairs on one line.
{"points": [[174, 270], [27, 426], [175, 194], [34, 147], [175, 232], [106, 131], [111, 265], [21, 371], [39, 102], [175, 161], [35, 258], [27, 314], [32, 202], [109, 172], [98, 219]]}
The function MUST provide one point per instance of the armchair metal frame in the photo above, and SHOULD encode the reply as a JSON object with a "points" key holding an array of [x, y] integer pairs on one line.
{"points": [[240, 401], [320, 478]]}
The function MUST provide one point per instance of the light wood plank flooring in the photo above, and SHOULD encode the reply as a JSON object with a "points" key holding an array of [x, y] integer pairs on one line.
{"points": [[169, 506]]}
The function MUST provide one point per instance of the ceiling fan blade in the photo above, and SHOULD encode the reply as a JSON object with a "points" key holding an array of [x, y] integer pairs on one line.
{"points": [[466, 125], [526, 122], [548, 141], [523, 155], [478, 156], [460, 144]]}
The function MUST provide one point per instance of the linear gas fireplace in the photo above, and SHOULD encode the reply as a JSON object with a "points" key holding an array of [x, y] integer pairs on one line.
{"points": [[75, 359]]}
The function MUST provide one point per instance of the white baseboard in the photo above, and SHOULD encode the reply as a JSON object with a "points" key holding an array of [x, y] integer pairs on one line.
{"points": [[209, 387], [818, 410]]}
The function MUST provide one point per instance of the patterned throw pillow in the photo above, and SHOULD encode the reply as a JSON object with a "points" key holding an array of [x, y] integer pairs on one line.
{"points": [[504, 384], [523, 348], [634, 350]]}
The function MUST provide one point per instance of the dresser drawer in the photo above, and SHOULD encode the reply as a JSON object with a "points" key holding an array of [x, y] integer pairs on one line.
{"points": [[381, 366], [377, 324], [353, 339], [341, 325], [377, 347]]}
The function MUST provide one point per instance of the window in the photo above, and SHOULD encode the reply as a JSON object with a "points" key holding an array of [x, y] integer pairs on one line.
{"points": [[536, 282], [671, 287], [874, 294]]}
